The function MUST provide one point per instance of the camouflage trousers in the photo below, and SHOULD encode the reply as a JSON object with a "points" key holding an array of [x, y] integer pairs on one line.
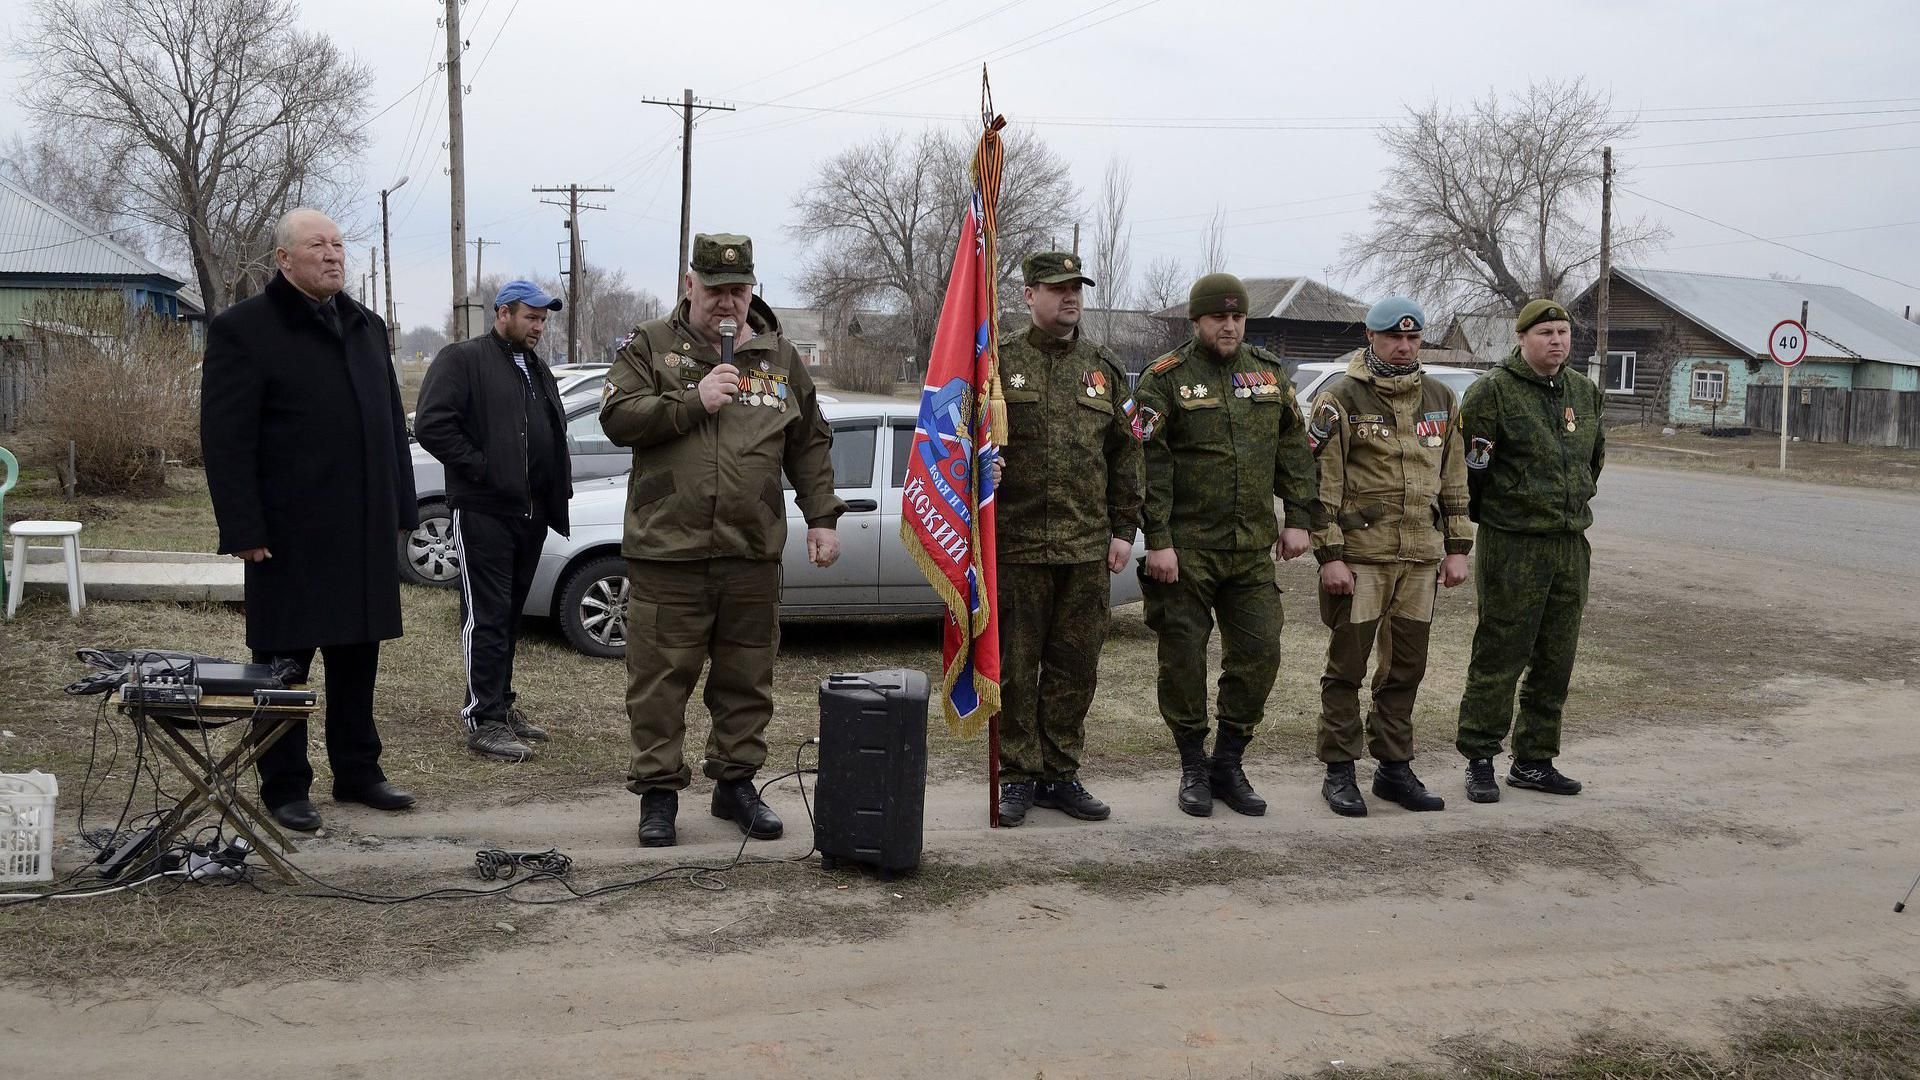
{"points": [[1053, 622], [1531, 591], [680, 616], [1239, 589], [1395, 602]]}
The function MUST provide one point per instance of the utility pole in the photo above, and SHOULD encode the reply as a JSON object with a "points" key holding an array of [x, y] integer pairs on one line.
{"points": [[373, 285], [1606, 259], [1076, 239], [457, 171], [479, 255], [386, 255], [572, 192], [686, 106]]}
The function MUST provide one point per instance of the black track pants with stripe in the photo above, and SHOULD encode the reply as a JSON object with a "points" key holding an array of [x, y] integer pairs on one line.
{"points": [[498, 555]]}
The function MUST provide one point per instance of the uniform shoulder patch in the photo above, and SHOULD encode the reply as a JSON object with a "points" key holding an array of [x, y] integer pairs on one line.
{"points": [[1166, 363]]}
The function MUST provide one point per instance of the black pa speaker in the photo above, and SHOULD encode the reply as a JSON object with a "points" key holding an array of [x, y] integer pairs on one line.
{"points": [[871, 795]]}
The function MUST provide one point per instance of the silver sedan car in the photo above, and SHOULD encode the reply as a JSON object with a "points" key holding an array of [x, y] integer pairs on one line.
{"points": [[582, 579]]}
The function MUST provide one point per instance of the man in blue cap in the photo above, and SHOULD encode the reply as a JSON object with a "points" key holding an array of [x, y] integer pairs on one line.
{"points": [[1389, 528], [489, 410]]}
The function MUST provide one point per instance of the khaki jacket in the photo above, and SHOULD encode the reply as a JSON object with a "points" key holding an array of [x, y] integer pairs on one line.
{"points": [[1393, 474], [707, 485]]}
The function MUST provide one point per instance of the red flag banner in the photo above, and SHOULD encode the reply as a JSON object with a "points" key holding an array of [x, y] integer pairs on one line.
{"points": [[946, 511]]}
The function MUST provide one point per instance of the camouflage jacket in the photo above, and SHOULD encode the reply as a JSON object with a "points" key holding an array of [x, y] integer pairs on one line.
{"points": [[707, 485], [1223, 438], [1073, 467], [1393, 482], [1534, 448]]}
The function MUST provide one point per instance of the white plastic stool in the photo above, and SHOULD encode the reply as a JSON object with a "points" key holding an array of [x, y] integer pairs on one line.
{"points": [[68, 533]]}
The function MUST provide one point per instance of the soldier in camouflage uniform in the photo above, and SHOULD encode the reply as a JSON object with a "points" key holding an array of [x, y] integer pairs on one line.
{"points": [[1223, 438], [1069, 505], [1534, 452], [705, 524], [1390, 526]]}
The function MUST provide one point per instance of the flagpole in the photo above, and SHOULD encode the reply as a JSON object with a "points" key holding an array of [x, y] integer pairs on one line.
{"points": [[996, 415]]}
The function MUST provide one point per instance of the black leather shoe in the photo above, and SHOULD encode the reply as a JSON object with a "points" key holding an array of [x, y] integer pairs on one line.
{"points": [[300, 815], [523, 729], [1341, 793], [1541, 776], [1394, 781], [1196, 786], [380, 795], [739, 801], [657, 809], [1016, 796], [1071, 798], [1229, 780], [1480, 784]]}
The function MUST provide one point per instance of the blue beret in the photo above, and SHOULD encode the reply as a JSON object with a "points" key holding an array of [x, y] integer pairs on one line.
{"points": [[1393, 313]]}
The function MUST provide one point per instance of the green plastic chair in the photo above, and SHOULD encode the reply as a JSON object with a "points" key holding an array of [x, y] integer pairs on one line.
{"points": [[12, 465]]}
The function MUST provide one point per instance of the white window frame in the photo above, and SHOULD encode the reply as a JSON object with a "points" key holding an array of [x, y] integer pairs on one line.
{"points": [[1716, 375], [1629, 364]]}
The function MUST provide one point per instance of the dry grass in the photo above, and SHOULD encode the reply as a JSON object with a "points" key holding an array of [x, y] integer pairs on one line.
{"points": [[1784, 1040], [179, 517], [1759, 455]]}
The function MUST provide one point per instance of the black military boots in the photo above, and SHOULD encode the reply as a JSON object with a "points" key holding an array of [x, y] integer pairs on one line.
{"points": [[1196, 787], [1394, 781], [739, 801], [1340, 791], [657, 809], [1016, 798], [1229, 779]]}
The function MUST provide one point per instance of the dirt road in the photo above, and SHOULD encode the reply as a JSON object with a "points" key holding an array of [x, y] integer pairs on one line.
{"points": [[1708, 864]]}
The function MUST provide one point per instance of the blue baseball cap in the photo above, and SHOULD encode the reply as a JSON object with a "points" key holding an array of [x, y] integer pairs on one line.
{"points": [[1396, 313], [527, 293]]}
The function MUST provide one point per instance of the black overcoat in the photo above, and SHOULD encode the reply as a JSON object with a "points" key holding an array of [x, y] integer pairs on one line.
{"points": [[306, 455]]}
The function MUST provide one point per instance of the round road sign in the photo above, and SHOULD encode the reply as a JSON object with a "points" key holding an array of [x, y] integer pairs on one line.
{"points": [[1787, 343]]}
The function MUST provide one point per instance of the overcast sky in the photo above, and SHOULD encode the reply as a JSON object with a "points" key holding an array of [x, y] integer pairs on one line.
{"points": [[556, 89]]}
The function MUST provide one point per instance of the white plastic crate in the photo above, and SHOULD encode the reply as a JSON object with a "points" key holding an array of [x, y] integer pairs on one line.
{"points": [[26, 826]]}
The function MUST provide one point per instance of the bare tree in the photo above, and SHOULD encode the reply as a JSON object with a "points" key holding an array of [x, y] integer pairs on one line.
{"points": [[880, 219], [1213, 244], [75, 178], [1112, 244], [609, 308], [219, 115], [1487, 209]]}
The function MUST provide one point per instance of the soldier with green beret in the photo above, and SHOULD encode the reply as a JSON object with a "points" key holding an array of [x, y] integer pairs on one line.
{"points": [[716, 404], [1389, 528], [1223, 438], [1069, 505], [1534, 453]]}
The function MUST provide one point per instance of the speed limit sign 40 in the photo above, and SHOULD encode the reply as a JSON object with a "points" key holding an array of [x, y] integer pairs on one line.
{"points": [[1787, 343]]}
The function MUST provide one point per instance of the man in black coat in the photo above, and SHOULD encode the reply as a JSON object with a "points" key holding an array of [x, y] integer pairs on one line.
{"points": [[307, 462], [490, 411]]}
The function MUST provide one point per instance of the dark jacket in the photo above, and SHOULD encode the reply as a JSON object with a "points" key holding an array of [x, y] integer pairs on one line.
{"points": [[1534, 448], [707, 485], [473, 417], [306, 455]]}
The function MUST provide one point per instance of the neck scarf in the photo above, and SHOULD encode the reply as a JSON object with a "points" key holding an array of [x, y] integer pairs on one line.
{"points": [[1389, 371]]}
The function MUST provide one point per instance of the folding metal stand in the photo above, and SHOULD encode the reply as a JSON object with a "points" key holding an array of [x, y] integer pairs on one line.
{"points": [[215, 782]]}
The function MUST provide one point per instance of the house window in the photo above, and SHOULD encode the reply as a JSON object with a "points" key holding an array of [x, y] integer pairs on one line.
{"points": [[1710, 385], [1620, 372]]}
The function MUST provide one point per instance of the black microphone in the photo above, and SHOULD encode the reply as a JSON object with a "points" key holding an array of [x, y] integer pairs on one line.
{"points": [[727, 329]]}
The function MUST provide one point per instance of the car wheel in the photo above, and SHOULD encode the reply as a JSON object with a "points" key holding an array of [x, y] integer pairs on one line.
{"points": [[593, 607], [427, 554]]}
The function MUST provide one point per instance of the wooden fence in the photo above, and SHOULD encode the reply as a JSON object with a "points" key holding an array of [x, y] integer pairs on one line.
{"points": [[1835, 415], [18, 374]]}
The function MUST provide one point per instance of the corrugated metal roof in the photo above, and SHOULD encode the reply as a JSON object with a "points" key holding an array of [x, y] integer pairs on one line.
{"points": [[39, 238], [1840, 324], [1290, 298]]}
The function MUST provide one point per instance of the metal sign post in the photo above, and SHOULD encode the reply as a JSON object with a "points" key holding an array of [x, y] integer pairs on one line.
{"points": [[1788, 346]]}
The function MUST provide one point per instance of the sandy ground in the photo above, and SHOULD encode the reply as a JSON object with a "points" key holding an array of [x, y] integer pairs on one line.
{"points": [[1707, 865]]}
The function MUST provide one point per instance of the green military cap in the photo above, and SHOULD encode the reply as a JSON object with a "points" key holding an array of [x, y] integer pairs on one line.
{"points": [[1052, 268], [1217, 293], [1539, 311], [722, 259]]}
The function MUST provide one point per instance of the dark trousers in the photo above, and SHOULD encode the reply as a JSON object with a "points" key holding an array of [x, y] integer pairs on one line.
{"points": [[353, 743], [1238, 589], [498, 555], [1053, 622], [1531, 592]]}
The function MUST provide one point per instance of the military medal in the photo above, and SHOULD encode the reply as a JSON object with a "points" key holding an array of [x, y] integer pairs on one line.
{"points": [[765, 366], [1099, 383], [1199, 390], [1017, 381], [1432, 440], [1186, 391], [1570, 418]]}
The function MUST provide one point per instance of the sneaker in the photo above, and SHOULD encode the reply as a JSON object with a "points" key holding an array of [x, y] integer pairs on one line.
{"points": [[1480, 783], [497, 740], [522, 729], [1016, 796], [1071, 798], [1541, 776]]}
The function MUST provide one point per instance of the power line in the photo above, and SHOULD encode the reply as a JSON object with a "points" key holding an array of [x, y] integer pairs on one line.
{"points": [[1778, 157], [1780, 135], [1802, 236], [829, 52], [1765, 240], [496, 37]]}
